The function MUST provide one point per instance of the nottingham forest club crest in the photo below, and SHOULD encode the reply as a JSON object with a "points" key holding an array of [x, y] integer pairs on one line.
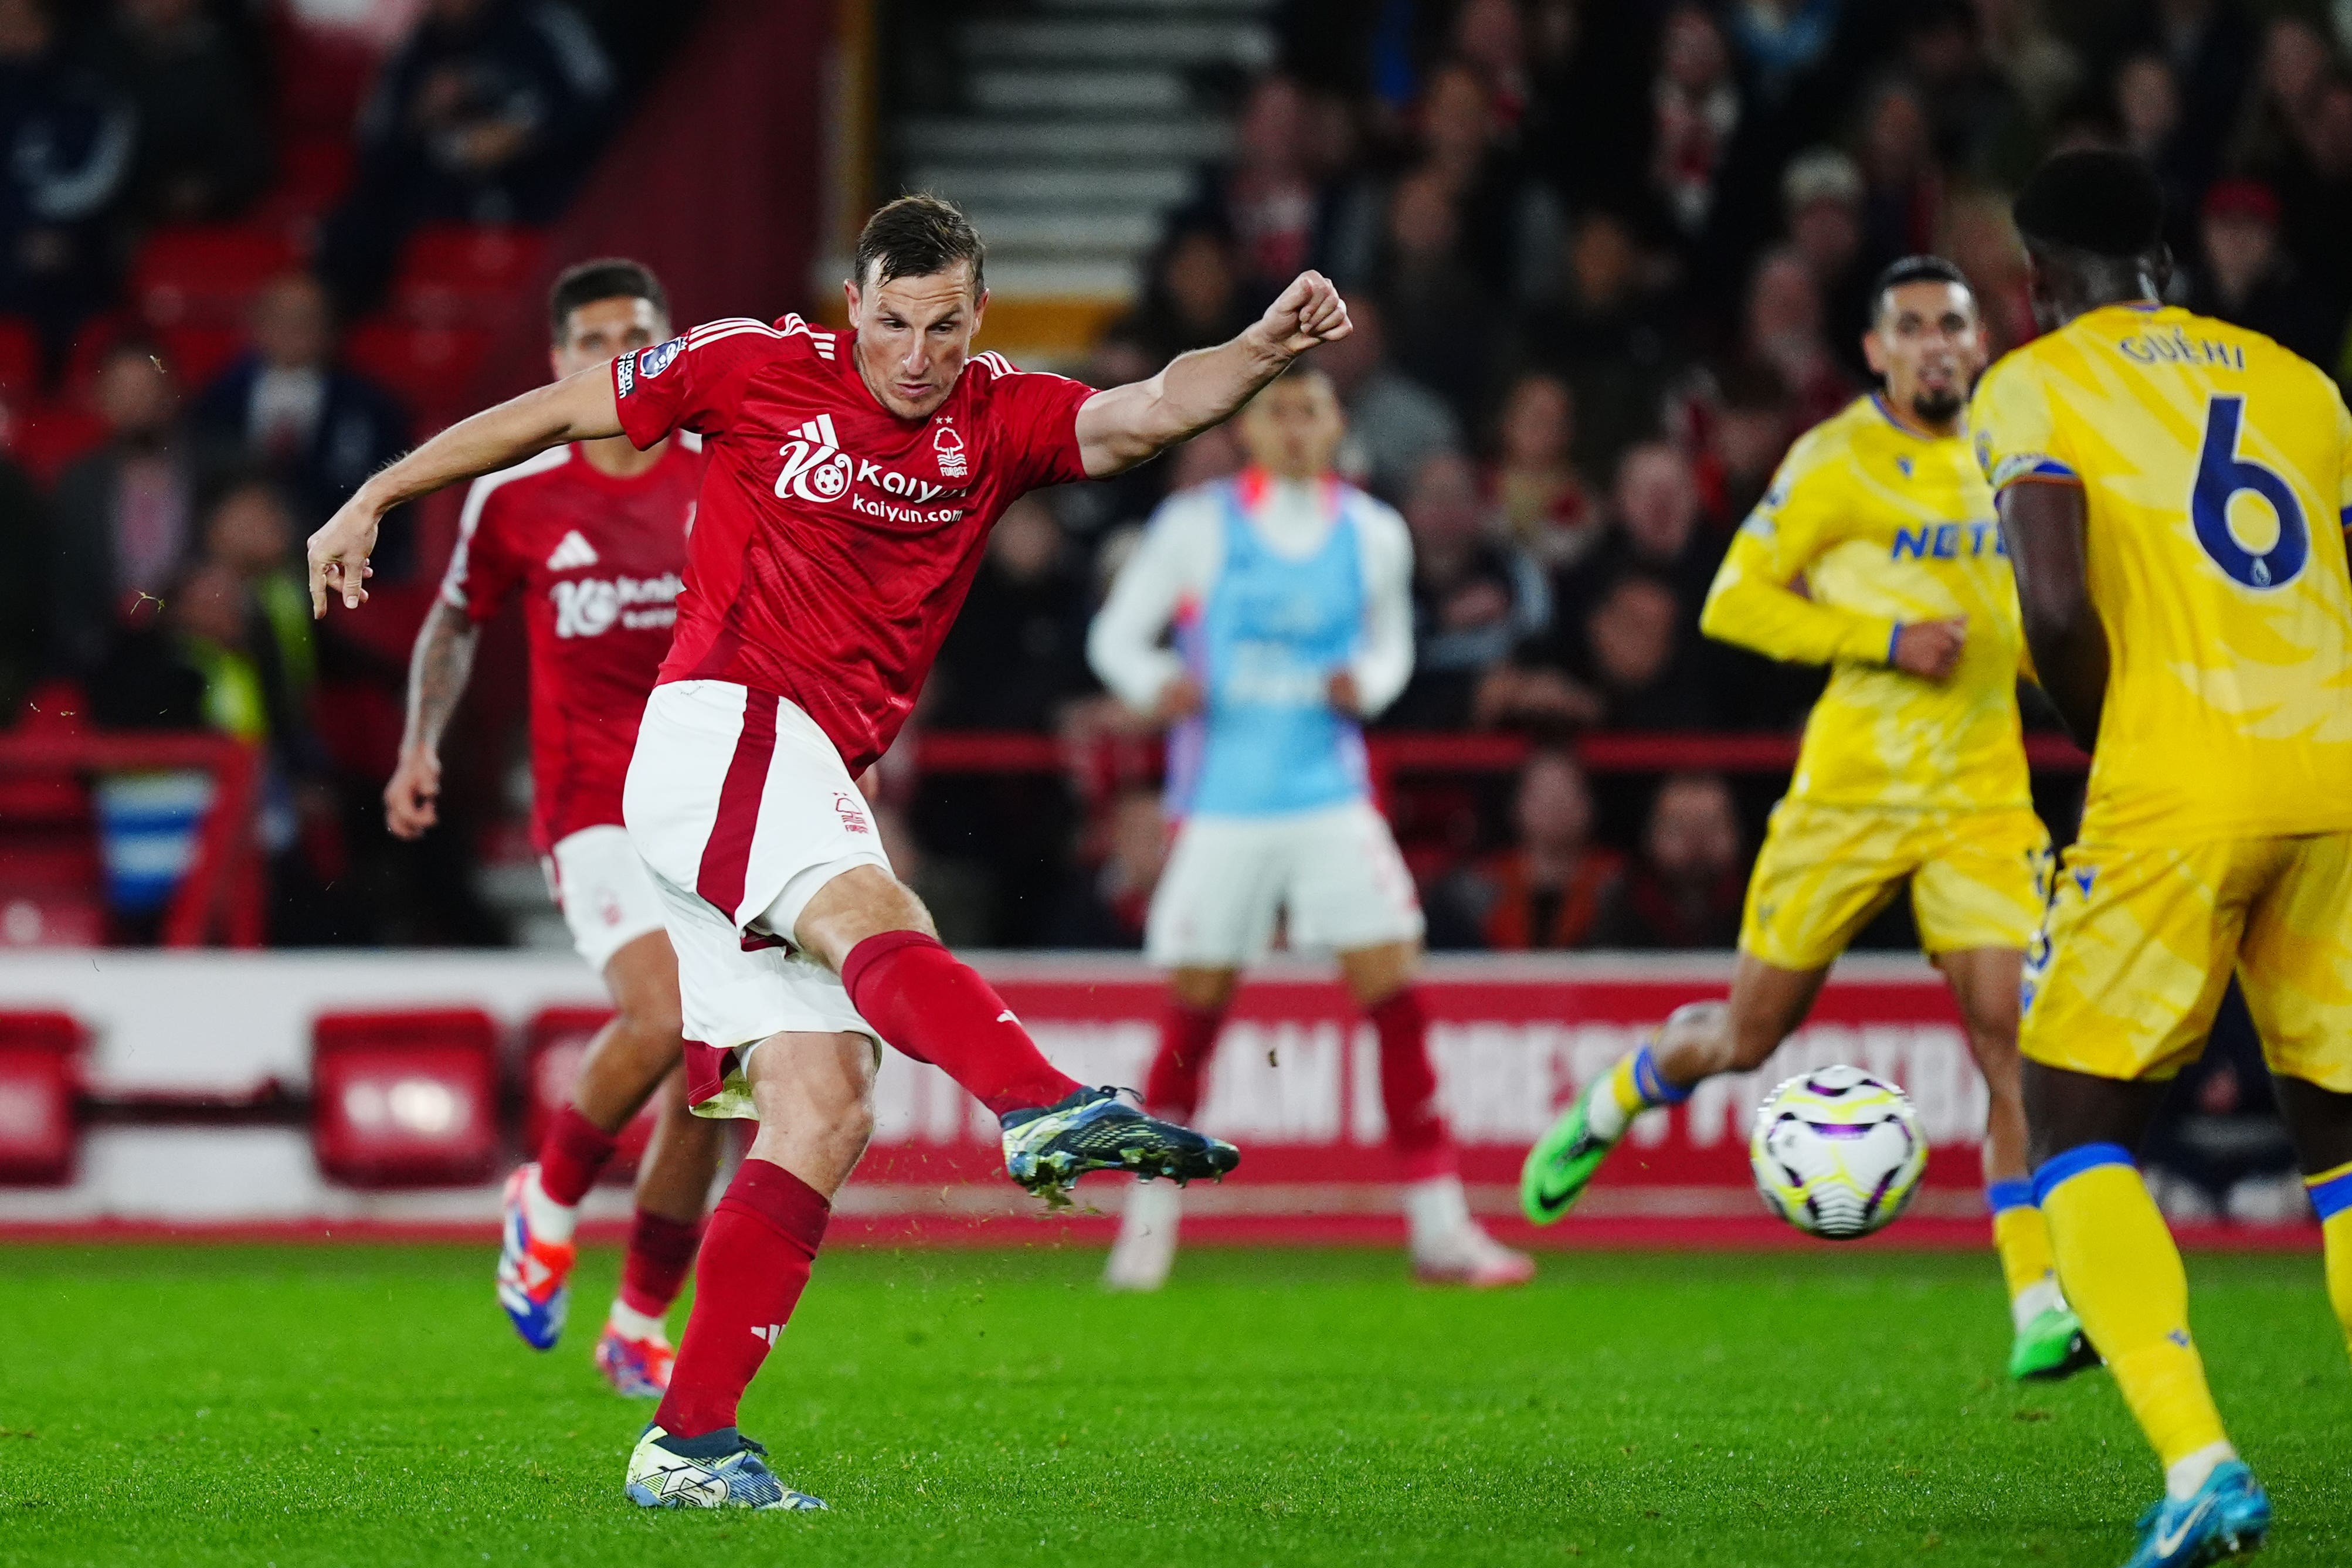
{"points": [[948, 447]]}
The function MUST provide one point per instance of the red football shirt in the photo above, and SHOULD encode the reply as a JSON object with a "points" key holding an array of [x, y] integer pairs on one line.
{"points": [[836, 541], [599, 561]]}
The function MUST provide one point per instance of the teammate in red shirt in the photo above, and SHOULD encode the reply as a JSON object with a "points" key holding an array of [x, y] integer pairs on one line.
{"points": [[854, 477], [592, 534]]}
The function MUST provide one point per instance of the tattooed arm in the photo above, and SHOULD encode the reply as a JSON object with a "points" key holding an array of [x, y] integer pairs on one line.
{"points": [[437, 669]]}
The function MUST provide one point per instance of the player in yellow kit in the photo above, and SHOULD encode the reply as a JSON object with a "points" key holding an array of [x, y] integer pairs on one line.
{"points": [[2173, 490], [1913, 767]]}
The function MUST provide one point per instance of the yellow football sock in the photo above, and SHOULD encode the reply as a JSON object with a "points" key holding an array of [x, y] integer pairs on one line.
{"points": [[1625, 1086], [2022, 1237], [2331, 1194], [2123, 1276]]}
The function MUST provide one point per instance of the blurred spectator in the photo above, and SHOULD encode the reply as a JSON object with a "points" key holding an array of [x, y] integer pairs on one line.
{"points": [[1684, 890], [1511, 222], [1782, 40], [1105, 907], [66, 145], [1748, 431], [2038, 66], [1784, 329], [1269, 198], [249, 531], [1657, 511], [1533, 484], [24, 606], [486, 114], [2210, 47], [290, 405], [1440, 314], [1473, 598], [1973, 116], [1604, 336], [2246, 277], [121, 516], [2296, 60], [1490, 39], [204, 148], [1821, 197], [1641, 661], [1545, 891], [1194, 296], [1018, 653], [1395, 425], [1695, 111], [1903, 187], [2315, 189]]}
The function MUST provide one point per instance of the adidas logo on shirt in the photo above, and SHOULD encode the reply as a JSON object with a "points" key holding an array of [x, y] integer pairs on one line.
{"points": [[572, 553]]}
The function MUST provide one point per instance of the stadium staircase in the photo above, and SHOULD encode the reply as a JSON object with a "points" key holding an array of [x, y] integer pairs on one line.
{"points": [[1067, 128]]}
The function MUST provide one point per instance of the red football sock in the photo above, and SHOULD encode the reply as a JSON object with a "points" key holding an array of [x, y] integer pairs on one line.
{"points": [[762, 1240], [661, 1249], [571, 1154], [926, 1003], [1187, 1036], [1409, 1088]]}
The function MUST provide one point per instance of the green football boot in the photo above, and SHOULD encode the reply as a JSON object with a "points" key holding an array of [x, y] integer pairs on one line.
{"points": [[2052, 1346], [1561, 1166]]}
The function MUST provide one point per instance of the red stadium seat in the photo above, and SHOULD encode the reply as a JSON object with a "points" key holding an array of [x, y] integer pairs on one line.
{"points": [[555, 1043], [20, 358], [47, 438], [40, 1072], [198, 353], [430, 368], [406, 1098], [464, 276], [207, 275]]}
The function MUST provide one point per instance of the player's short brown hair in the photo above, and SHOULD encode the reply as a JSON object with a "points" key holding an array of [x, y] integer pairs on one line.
{"points": [[916, 236], [606, 277]]}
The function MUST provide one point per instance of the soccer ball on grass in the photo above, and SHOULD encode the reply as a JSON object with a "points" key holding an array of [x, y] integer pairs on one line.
{"points": [[1837, 1153]]}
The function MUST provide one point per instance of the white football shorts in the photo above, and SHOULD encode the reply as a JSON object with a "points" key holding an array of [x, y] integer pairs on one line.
{"points": [[1335, 872], [606, 892], [741, 810]]}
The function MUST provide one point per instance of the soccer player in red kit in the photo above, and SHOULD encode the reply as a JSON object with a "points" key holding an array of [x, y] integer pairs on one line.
{"points": [[593, 534], [854, 477]]}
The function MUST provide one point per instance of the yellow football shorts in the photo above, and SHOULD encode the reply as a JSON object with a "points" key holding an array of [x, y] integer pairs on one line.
{"points": [[1979, 878], [2138, 943]]}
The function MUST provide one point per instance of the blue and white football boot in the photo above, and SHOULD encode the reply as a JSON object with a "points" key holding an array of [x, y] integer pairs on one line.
{"points": [[1047, 1149], [2229, 1515], [718, 1469], [534, 1273]]}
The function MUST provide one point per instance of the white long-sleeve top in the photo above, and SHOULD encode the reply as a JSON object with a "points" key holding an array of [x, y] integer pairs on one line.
{"points": [[1184, 551]]}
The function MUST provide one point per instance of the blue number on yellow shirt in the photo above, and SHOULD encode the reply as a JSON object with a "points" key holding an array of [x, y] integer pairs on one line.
{"points": [[2220, 474]]}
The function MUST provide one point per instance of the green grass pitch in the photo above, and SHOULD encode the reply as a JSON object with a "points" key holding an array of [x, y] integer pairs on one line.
{"points": [[369, 1406]]}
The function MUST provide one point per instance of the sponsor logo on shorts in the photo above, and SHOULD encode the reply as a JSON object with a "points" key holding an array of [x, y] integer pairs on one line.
{"points": [[847, 807]]}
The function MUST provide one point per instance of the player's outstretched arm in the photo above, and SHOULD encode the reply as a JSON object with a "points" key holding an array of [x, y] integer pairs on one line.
{"points": [[2042, 524], [437, 670], [580, 407], [1127, 425]]}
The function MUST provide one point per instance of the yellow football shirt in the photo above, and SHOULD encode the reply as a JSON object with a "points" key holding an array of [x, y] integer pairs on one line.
{"points": [[2214, 469], [1883, 526]]}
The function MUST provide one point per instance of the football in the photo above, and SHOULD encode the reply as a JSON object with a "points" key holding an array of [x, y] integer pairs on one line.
{"points": [[1837, 1153]]}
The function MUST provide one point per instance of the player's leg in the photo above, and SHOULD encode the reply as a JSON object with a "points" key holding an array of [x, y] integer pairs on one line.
{"points": [[608, 901], [1447, 1246], [1212, 912], [870, 929], [673, 1189], [2120, 992], [1979, 896], [2048, 1339], [1697, 1041], [2298, 946], [1822, 874], [814, 1095]]}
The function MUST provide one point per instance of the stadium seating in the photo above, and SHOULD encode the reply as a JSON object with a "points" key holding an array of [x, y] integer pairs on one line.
{"points": [[405, 1097], [206, 275], [555, 1043], [40, 1063]]}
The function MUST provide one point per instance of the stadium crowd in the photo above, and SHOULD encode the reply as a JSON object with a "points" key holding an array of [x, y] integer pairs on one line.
{"points": [[1605, 259]]}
